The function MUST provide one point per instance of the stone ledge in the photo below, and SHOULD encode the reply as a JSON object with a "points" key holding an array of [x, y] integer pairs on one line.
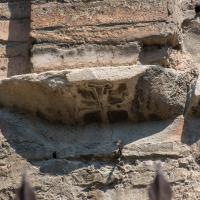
{"points": [[47, 57], [139, 140], [106, 94]]}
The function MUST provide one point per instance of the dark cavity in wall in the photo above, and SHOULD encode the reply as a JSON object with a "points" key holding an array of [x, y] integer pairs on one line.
{"points": [[19, 37], [54, 155], [197, 9]]}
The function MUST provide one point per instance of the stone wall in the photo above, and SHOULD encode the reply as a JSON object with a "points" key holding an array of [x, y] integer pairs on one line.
{"points": [[15, 44], [71, 34], [78, 76]]}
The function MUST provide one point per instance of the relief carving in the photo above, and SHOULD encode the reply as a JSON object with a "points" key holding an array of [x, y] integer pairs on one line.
{"points": [[98, 101]]}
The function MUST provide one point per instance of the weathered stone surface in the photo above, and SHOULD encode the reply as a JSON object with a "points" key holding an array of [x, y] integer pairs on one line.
{"points": [[191, 38], [116, 34], [195, 100], [139, 139], [97, 13], [51, 57], [92, 24], [162, 93], [84, 162], [166, 57], [91, 94], [15, 37], [81, 163], [81, 15], [100, 94], [122, 37], [191, 29], [85, 34]]}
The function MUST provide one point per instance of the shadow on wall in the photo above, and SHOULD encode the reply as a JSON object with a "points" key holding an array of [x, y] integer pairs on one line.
{"points": [[19, 44], [60, 149], [191, 133]]}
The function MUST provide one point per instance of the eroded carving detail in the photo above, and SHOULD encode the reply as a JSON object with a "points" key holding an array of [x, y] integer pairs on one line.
{"points": [[99, 101]]}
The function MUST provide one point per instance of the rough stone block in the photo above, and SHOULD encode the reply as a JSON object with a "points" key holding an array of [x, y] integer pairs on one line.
{"points": [[93, 21], [79, 95], [162, 93], [107, 94], [52, 57], [151, 33], [97, 13]]}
